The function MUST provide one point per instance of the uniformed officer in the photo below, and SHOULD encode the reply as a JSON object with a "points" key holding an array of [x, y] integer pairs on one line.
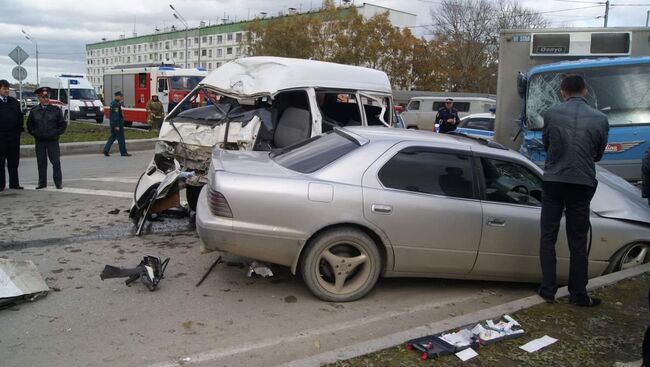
{"points": [[46, 124], [117, 126], [447, 117], [11, 126]]}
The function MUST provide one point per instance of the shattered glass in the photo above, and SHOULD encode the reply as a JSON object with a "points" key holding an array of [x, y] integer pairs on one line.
{"points": [[621, 92]]}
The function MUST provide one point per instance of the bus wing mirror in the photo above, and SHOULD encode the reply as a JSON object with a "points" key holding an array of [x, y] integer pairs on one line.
{"points": [[522, 83]]}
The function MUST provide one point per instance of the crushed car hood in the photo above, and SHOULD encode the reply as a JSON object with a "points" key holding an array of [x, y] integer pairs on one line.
{"points": [[617, 198], [255, 76]]}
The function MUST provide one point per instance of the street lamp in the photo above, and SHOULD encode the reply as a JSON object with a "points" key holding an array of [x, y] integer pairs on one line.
{"points": [[180, 18], [31, 38]]}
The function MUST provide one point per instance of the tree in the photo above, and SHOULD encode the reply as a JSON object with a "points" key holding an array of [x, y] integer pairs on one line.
{"points": [[467, 32]]}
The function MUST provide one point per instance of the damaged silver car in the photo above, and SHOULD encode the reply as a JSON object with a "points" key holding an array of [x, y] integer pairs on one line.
{"points": [[256, 103]]}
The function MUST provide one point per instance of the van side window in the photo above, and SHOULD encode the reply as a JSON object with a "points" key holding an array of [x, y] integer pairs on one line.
{"points": [[377, 109], [162, 85], [338, 109], [63, 95], [142, 80], [413, 106], [460, 106]]}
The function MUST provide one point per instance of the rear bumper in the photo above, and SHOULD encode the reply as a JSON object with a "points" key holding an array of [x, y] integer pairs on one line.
{"points": [[96, 114], [218, 233]]}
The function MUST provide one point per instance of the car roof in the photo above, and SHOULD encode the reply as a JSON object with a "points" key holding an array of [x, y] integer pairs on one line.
{"points": [[266, 75], [478, 115], [379, 134]]}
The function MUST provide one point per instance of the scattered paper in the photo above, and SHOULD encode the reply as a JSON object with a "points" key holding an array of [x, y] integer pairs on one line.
{"points": [[537, 344], [466, 354]]}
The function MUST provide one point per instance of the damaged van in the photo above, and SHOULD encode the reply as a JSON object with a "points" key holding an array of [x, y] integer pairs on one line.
{"points": [[255, 103]]}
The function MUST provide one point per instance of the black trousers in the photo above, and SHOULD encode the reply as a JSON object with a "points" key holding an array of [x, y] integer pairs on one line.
{"points": [[48, 149], [9, 152], [575, 199]]}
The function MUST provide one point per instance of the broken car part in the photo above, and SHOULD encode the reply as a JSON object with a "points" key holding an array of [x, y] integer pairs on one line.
{"points": [[20, 280], [150, 271]]}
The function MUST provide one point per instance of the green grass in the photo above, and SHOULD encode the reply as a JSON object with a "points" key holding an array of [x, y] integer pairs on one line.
{"points": [[596, 336], [80, 132]]}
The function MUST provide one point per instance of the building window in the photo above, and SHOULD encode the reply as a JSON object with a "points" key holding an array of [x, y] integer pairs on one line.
{"points": [[209, 66], [139, 48], [219, 39], [229, 51], [181, 55], [210, 40], [204, 52], [139, 58], [238, 37], [174, 55], [204, 39], [209, 53], [238, 51], [229, 36], [218, 64], [196, 53], [219, 52], [166, 45], [196, 39], [181, 43]]}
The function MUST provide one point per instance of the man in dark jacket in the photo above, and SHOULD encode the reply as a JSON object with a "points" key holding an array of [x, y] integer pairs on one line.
{"points": [[11, 125], [117, 127], [46, 124], [575, 137], [447, 117]]}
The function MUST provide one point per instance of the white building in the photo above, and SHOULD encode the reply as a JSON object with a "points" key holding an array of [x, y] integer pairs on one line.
{"points": [[207, 46]]}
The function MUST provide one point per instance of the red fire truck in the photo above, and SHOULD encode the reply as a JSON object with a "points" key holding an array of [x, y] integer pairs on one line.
{"points": [[139, 83]]}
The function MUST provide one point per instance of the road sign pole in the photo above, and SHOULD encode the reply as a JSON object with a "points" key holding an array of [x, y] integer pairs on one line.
{"points": [[20, 83], [69, 98]]}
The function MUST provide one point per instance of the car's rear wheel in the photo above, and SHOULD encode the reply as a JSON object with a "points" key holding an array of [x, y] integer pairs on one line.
{"points": [[341, 265], [630, 256]]}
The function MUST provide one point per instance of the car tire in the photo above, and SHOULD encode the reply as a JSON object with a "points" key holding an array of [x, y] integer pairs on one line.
{"points": [[99, 121], [192, 195], [128, 123], [629, 256], [348, 253]]}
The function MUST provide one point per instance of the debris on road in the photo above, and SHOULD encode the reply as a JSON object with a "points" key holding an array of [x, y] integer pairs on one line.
{"points": [[537, 344], [260, 269], [20, 280], [209, 271], [114, 211], [150, 271]]}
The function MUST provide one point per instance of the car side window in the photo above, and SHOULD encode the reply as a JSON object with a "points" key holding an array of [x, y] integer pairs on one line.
{"points": [[422, 169], [479, 123], [508, 182]]}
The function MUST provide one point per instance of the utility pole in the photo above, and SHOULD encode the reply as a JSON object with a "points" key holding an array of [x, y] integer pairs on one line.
{"points": [[606, 12], [647, 18], [180, 18], [31, 38]]}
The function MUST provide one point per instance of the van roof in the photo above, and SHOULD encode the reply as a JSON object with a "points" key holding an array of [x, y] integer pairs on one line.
{"points": [[62, 82], [456, 99], [265, 75]]}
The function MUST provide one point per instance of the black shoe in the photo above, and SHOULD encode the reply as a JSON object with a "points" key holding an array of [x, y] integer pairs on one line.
{"points": [[586, 302], [126, 155], [2, 189], [59, 186], [16, 187], [547, 298], [106, 153], [40, 187]]}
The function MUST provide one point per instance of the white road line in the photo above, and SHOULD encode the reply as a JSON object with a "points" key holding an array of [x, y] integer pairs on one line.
{"points": [[72, 190], [129, 180], [219, 353]]}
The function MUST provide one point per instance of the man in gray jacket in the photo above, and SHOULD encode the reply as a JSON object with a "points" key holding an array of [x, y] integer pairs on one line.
{"points": [[575, 137]]}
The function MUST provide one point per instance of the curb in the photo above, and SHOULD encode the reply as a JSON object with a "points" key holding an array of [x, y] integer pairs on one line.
{"points": [[90, 147], [395, 339]]}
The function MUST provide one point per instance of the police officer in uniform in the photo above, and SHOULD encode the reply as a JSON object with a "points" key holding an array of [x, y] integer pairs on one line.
{"points": [[447, 117], [117, 127], [11, 125], [46, 124]]}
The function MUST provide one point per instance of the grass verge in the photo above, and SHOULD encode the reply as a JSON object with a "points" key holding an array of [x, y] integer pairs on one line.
{"points": [[598, 336], [83, 131]]}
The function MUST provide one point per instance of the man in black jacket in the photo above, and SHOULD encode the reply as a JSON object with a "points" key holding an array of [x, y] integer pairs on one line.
{"points": [[447, 117], [575, 137], [46, 124], [11, 125]]}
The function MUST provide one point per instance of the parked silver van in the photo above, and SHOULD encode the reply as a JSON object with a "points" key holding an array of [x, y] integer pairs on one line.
{"points": [[421, 111]]}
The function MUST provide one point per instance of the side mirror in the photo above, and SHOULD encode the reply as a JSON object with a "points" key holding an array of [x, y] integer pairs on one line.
{"points": [[522, 84]]}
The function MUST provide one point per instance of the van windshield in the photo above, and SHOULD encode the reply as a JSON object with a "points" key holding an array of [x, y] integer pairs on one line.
{"points": [[83, 94], [620, 92], [184, 82]]}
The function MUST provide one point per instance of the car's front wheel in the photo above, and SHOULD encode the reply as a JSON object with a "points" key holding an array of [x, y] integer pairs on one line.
{"points": [[341, 265]]}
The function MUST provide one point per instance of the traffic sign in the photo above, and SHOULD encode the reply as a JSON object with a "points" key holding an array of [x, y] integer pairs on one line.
{"points": [[18, 55], [19, 73]]}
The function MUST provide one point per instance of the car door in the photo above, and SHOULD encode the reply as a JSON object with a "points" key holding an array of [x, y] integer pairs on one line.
{"points": [[424, 199], [512, 195]]}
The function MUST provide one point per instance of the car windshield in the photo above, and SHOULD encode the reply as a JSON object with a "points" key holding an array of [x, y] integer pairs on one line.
{"points": [[622, 93], [27, 94], [185, 82], [83, 94], [313, 154]]}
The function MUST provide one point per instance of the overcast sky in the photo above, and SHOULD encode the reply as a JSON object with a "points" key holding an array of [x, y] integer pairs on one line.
{"points": [[63, 27]]}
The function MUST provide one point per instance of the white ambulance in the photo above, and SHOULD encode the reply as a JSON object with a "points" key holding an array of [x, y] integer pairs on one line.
{"points": [[83, 101]]}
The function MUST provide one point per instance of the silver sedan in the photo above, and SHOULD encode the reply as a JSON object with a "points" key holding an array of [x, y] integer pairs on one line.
{"points": [[346, 207]]}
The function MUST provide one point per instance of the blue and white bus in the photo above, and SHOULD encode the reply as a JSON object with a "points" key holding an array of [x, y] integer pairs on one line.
{"points": [[615, 63]]}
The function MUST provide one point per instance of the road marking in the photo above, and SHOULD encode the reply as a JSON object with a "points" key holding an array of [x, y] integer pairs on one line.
{"points": [[219, 353], [72, 190], [129, 180]]}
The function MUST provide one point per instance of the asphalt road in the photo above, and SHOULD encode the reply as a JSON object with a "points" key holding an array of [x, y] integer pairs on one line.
{"points": [[230, 320]]}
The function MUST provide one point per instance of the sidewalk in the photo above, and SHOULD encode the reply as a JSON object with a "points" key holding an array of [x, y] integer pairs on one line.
{"points": [[587, 337]]}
